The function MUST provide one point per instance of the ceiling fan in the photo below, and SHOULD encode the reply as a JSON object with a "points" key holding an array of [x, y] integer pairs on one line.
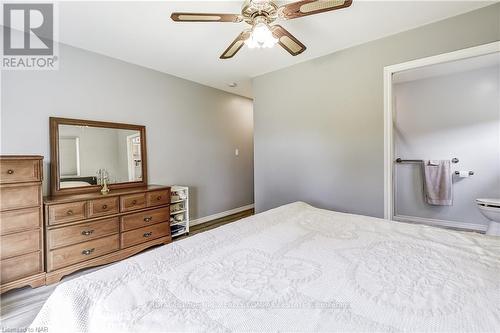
{"points": [[260, 14]]}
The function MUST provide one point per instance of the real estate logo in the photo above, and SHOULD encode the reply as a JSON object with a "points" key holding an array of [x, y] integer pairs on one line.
{"points": [[28, 36]]}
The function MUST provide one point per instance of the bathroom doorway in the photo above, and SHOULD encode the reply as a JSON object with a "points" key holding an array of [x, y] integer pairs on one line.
{"points": [[443, 108]]}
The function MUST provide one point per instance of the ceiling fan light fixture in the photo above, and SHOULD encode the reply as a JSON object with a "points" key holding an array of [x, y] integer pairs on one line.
{"points": [[261, 16], [261, 37]]}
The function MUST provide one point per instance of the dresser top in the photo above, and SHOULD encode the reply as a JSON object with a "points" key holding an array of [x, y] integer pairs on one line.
{"points": [[21, 157], [50, 200]]}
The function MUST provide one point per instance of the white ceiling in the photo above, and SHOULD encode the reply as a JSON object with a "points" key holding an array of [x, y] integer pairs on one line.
{"points": [[141, 32]]}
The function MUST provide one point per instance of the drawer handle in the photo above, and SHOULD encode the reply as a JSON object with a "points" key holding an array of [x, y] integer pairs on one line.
{"points": [[87, 232], [134, 202], [148, 219], [148, 234], [69, 212], [104, 206], [10, 171], [158, 198], [88, 252]]}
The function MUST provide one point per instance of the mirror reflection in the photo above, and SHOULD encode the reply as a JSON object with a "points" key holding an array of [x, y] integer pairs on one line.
{"points": [[88, 155]]}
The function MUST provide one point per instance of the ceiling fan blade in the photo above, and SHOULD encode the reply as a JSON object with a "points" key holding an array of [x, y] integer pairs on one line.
{"points": [[310, 7], [205, 17], [287, 40], [236, 45]]}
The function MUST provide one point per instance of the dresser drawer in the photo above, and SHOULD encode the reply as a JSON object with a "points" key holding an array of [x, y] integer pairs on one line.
{"points": [[132, 202], [19, 196], [81, 233], [20, 243], [145, 234], [67, 212], [80, 252], [20, 220], [21, 266], [105, 206], [20, 171], [138, 220], [157, 198]]}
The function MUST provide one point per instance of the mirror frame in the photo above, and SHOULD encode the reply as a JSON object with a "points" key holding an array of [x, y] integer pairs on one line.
{"points": [[55, 176]]}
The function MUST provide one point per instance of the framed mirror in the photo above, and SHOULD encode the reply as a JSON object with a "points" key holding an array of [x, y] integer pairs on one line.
{"points": [[86, 153]]}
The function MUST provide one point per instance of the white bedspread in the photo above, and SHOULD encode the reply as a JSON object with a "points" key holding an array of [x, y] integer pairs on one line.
{"points": [[294, 268]]}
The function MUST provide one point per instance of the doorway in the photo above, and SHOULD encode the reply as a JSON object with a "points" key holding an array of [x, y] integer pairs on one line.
{"points": [[434, 110]]}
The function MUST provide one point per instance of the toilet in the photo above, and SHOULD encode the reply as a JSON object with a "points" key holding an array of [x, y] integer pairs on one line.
{"points": [[490, 208]]}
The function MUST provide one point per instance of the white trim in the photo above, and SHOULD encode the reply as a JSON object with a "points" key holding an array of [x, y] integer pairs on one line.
{"points": [[388, 110], [388, 145], [446, 57], [77, 143], [220, 215], [443, 223]]}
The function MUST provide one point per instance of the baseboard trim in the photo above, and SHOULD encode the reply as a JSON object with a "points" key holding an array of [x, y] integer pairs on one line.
{"points": [[443, 223], [220, 215]]}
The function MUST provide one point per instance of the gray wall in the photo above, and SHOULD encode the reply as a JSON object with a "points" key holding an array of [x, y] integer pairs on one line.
{"points": [[192, 130], [319, 124], [442, 117]]}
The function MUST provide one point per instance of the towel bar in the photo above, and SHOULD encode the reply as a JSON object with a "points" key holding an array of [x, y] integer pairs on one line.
{"points": [[399, 160]]}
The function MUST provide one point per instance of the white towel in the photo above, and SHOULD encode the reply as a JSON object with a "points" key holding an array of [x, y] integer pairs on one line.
{"points": [[438, 182]]}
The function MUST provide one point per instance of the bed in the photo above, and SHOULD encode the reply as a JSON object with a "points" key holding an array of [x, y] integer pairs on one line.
{"points": [[293, 268]]}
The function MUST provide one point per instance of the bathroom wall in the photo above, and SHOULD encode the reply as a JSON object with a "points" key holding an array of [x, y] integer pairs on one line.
{"points": [[454, 115]]}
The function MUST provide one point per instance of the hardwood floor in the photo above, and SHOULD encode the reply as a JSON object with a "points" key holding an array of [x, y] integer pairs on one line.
{"points": [[217, 223], [19, 307]]}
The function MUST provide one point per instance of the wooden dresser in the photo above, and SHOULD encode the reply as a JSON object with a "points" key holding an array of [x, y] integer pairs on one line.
{"points": [[92, 229], [21, 225]]}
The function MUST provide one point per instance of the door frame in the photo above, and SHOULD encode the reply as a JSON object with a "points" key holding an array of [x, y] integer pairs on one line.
{"points": [[389, 71], [131, 168]]}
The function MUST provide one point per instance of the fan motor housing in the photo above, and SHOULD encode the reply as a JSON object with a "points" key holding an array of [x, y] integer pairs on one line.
{"points": [[253, 9]]}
